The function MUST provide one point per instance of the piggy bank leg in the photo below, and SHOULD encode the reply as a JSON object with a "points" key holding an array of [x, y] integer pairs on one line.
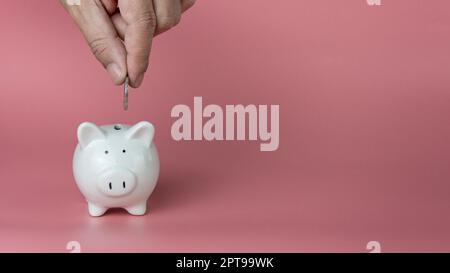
{"points": [[95, 210], [139, 209]]}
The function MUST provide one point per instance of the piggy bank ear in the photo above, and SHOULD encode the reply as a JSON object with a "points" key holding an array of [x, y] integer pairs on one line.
{"points": [[143, 131], [88, 132]]}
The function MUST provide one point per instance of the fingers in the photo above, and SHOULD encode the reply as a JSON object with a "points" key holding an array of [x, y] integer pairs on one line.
{"points": [[168, 14], [136, 24], [120, 25], [98, 30], [140, 20]]}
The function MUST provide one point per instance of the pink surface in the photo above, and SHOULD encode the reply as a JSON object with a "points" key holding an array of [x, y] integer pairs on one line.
{"points": [[364, 129]]}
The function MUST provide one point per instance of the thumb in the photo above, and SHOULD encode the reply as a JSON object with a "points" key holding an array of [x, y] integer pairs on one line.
{"points": [[95, 24]]}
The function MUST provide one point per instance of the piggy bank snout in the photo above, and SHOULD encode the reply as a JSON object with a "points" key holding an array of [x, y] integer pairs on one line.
{"points": [[116, 182]]}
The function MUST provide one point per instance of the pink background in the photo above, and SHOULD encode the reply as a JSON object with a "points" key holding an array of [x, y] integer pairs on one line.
{"points": [[364, 129]]}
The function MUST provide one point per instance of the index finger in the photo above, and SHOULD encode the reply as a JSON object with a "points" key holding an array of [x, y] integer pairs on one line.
{"points": [[140, 18]]}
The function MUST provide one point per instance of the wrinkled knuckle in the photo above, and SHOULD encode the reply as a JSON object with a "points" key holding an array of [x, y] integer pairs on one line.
{"points": [[98, 46], [147, 20]]}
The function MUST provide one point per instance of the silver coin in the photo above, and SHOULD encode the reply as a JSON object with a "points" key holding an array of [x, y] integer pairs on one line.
{"points": [[125, 94]]}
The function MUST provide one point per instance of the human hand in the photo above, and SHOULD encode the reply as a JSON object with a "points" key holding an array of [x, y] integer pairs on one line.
{"points": [[120, 32]]}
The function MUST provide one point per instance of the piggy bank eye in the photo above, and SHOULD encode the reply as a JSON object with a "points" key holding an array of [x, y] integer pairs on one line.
{"points": [[106, 152], [124, 151]]}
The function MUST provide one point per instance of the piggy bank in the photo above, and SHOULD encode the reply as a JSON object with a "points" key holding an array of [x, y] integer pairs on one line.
{"points": [[116, 166]]}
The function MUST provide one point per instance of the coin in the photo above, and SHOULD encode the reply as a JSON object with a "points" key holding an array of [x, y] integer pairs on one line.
{"points": [[125, 94]]}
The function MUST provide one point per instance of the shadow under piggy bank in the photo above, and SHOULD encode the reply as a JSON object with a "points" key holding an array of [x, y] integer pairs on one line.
{"points": [[175, 189], [178, 189]]}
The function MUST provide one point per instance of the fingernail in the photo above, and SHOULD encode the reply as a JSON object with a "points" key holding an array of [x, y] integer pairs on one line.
{"points": [[139, 80], [114, 72]]}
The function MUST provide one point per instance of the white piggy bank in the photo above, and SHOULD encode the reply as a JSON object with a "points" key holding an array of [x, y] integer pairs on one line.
{"points": [[116, 166]]}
